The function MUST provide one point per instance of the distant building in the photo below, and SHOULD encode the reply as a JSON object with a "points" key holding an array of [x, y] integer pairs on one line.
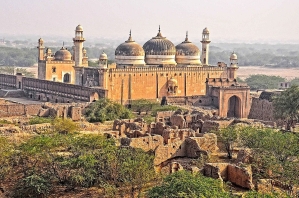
{"points": [[284, 85], [156, 70]]}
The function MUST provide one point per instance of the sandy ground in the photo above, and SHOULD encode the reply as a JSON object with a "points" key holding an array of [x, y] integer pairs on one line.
{"points": [[245, 71]]}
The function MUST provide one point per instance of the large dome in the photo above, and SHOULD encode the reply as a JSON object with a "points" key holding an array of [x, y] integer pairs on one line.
{"points": [[129, 48], [159, 51], [159, 45], [62, 55], [187, 53], [129, 53], [187, 48]]}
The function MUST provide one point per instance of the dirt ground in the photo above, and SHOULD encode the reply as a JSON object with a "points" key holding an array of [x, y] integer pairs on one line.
{"points": [[245, 71]]}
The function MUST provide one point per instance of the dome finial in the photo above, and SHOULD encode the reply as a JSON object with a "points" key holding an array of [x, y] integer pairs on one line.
{"points": [[159, 32], [130, 37], [186, 39]]}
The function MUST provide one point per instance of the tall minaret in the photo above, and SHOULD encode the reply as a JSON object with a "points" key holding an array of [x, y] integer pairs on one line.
{"points": [[232, 69], [78, 42], [41, 48], [205, 47]]}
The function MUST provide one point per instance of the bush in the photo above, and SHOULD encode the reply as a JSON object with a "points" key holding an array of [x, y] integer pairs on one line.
{"points": [[185, 184], [64, 126], [164, 108], [32, 186], [106, 110]]}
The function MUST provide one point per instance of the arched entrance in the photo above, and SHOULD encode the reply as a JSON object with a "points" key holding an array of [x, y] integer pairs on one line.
{"points": [[93, 96], [234, 107]]}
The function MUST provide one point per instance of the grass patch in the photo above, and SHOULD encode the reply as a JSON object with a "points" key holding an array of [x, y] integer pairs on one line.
{"points": [[39, 120]]}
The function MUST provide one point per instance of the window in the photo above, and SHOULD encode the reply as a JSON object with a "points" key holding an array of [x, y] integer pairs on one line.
{"points": [[53, 69], [54, 79], [66, 78]]}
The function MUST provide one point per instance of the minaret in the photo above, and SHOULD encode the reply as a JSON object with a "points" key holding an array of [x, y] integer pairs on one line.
{"points": [[232, 69], [205, 47], [40, 48], [78, 42], [103, 61]]}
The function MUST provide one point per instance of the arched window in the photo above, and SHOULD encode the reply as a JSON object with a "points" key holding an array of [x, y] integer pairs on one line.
{"points": [[66, 78]]}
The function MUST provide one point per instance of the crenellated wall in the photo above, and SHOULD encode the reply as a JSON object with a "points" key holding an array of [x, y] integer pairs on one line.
{"points": [[152, 82]]}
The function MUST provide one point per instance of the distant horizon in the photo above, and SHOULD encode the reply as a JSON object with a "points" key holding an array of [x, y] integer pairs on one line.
{"points": [[57, 38]]}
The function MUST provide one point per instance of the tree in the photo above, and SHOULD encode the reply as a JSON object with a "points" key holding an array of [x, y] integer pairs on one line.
{"points": [[104, 110], [286, 106], [228, 136], [261, 81], [274, 154], [187, 185], [136, 168]]}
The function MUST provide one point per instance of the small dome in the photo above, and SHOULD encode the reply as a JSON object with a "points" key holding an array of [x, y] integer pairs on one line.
{"points": [[159, 45], [79, 28], [187, 48], [129, 48], [63, 55], [233, 56], [103, 56], [172, 82], [48, 51], [206, 31], [40, 40], [84, 50]]}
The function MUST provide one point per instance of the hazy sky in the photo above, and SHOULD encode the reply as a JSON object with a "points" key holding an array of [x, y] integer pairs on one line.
{"points": [[229, 20]]}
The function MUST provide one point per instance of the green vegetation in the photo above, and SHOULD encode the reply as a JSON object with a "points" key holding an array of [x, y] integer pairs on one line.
{"points": [[105, 110], [274, 153], [229, 137], [254, 194], [185, 184], [64, 125], [260, 81], [279, 55], [5, 122], [143, 105], [40, 120], [73, 160], [286, 106], [17, 57]]}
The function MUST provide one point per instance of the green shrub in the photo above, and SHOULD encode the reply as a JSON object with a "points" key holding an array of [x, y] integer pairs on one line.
{"points": [[5, 122], [32, 186], [106, 110], [64, 125], [188, 185], [40, 120]]}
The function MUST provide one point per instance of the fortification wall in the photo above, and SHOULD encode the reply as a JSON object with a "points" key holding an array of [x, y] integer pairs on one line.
{"points": [[152, 83], [261, 109], [8, 110]]}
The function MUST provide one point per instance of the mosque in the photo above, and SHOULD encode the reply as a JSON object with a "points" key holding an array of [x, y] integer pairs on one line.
{"points": [[157, 70]]}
